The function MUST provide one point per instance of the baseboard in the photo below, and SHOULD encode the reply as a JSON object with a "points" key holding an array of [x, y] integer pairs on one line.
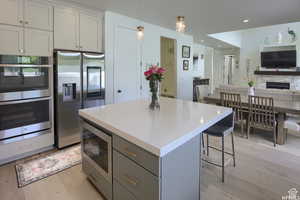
{"points": [[24, 155]]}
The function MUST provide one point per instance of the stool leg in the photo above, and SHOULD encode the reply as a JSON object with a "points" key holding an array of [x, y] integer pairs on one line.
{"points": [[207, 144], [242, 127], [202, 138], [233, 150], [223, 158], [248, 131]]}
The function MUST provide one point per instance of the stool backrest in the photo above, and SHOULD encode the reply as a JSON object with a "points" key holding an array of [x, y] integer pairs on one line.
{"points": [[261, 111], [233, 101]]}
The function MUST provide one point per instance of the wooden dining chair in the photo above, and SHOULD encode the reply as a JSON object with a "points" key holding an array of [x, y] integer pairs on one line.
{"points": [[262, 115], [233, 101]]}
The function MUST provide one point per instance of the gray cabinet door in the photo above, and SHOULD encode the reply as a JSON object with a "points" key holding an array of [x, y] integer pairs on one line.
{"points": [[137, 154], [138, 181], [120, 193]]}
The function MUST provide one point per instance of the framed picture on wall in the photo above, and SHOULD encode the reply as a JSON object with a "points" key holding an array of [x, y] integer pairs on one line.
{"points": [[185, 65], [186, 51]]}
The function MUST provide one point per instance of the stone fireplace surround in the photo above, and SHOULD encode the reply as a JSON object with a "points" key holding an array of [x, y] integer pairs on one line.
{"points": [[293, 80]]}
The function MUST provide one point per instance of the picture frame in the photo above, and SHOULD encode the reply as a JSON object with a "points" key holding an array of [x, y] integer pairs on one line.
{"points": [[186, 51], [185, 65]]}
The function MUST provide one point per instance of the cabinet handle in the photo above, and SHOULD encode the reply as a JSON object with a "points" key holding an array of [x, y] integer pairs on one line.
{"points": [[26, 22], [127, 151], [21, 21], [131, 180], [21, 50]]}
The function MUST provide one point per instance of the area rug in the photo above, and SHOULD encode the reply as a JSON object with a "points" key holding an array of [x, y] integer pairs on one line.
{"points": [[42, 167]]}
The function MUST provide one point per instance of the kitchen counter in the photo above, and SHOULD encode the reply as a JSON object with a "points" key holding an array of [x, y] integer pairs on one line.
{"points": [[131, 152], [159, 131]]}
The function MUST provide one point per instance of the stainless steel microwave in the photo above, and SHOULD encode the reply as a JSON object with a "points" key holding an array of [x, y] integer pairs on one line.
{"points": [[24, 77]]}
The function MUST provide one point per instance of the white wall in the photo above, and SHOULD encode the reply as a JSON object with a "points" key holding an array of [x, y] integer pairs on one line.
{"points": [[199, 50], [253, 40], [234, 38], [150, 49]]}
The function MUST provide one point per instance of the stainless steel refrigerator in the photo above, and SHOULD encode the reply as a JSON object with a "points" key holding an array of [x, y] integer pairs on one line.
{"points": [[79, 82]]}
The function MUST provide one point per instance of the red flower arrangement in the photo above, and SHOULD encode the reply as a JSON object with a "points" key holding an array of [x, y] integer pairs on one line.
{"points": [[155, 73]]}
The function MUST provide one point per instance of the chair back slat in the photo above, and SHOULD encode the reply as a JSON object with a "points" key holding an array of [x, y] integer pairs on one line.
{"points": [[261, 111], [233, 101]]}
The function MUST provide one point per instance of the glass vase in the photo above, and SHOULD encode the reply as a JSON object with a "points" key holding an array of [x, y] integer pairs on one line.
{"points": [[154, 89]]}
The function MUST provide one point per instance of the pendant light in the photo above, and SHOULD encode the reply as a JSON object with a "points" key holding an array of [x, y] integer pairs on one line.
{"points": [[180, 24], [140, 29], [140, 32]]}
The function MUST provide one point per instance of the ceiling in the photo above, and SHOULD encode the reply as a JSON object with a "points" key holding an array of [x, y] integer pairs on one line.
{"points": [[205, 16]]}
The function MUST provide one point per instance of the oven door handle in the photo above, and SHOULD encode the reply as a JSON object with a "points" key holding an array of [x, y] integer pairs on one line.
{"points": [[25, 101]]}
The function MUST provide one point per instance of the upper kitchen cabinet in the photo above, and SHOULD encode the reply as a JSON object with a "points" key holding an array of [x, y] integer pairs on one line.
{"points": [[90, 33], [76, 30], [11, 12], [28, 13], [11, 40], [38, 15], [66, 26], [38, 42]]}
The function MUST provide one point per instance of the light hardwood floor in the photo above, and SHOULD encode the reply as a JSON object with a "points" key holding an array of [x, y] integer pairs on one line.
{"points": [[262, 173]]}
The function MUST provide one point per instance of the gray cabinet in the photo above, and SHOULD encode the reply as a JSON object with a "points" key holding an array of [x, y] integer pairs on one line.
{"points": [[140, 182], [137, 154], [120, 193], [140, 175]]}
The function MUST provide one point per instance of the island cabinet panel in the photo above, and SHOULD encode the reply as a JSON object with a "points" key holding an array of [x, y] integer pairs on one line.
{"points": [[134, 178], [137, 154], [120, 193], [180, 172]]}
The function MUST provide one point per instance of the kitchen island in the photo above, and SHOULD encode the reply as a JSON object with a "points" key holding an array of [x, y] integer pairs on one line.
{"points": [[133, 153]]}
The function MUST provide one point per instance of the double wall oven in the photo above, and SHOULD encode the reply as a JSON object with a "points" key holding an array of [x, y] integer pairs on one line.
{"points": [[25, 97]]}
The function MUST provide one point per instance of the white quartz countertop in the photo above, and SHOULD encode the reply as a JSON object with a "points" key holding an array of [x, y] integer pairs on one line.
{"points": [[159, 131]]}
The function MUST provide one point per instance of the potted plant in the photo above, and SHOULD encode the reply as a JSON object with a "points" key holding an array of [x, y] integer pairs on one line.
{"points": [[251, 88], [154, 75]]}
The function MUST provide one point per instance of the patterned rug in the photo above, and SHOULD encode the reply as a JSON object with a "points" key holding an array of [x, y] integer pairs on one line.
{"points": [[42, 167]]}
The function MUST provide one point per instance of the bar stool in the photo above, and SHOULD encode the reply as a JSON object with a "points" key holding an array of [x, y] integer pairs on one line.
{"points": [[221, 129]]}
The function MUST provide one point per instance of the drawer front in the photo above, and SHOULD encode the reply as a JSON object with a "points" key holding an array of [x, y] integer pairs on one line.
{"points": [[120, 193], [135, 153], [138, 181], [104, 187]]}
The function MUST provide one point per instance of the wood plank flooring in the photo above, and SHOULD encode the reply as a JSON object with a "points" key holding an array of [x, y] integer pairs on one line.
{"points": [[262, 173]]}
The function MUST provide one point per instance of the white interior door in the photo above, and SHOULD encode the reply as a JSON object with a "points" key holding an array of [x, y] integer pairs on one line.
{"points": [[126, 65]]}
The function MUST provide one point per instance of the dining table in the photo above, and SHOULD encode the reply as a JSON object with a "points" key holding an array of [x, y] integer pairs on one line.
{"points": [[281, 107]]}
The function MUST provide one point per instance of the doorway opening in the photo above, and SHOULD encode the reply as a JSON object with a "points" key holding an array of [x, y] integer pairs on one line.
{"points": [[229, 64], [168, 61]]}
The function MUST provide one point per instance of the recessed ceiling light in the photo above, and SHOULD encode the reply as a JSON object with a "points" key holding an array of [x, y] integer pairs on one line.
{"points": [[202, 41], [246, 20]]}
